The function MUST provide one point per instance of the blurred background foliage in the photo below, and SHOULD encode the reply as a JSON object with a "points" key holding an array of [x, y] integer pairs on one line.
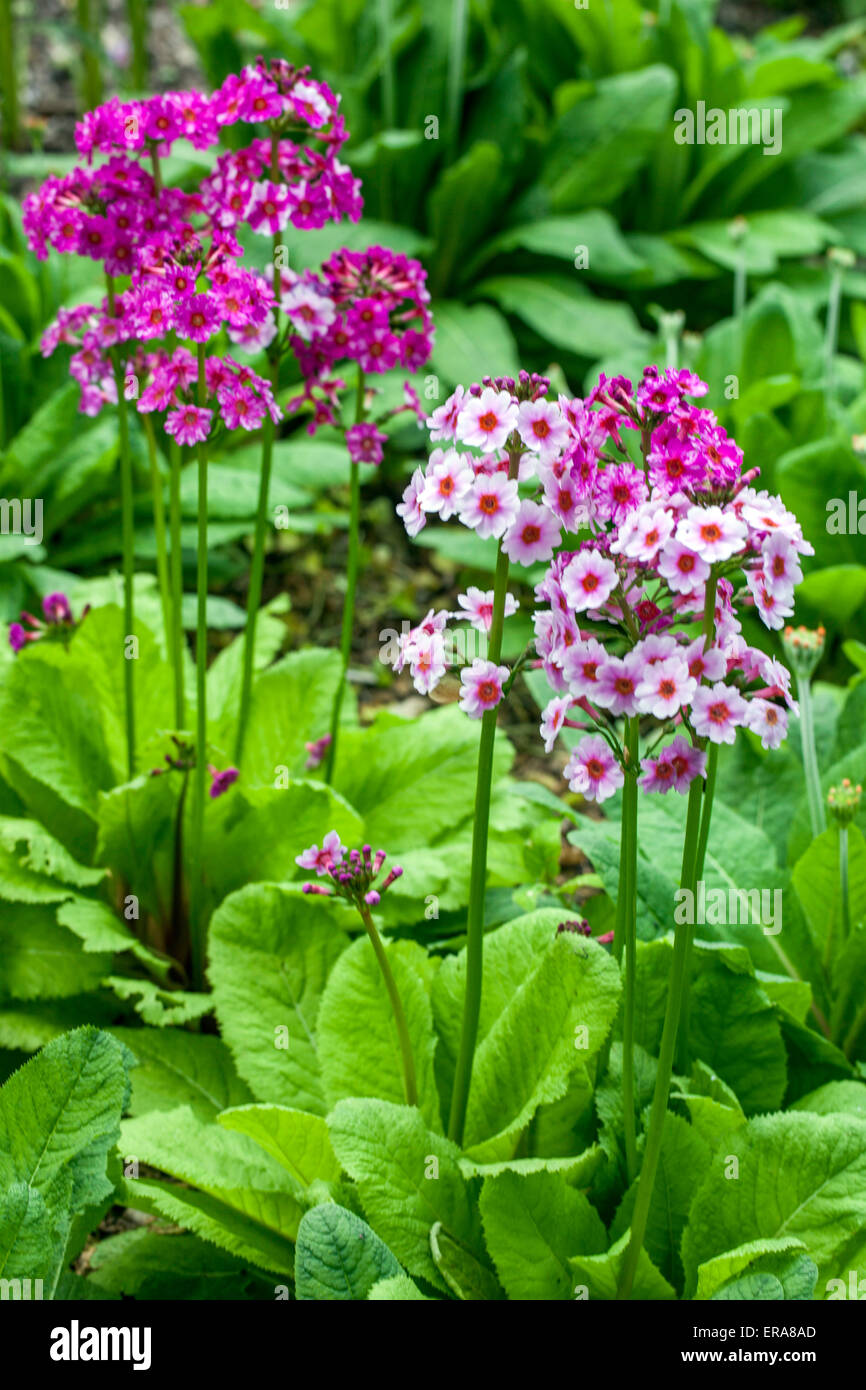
{"points": [[525, 151]]}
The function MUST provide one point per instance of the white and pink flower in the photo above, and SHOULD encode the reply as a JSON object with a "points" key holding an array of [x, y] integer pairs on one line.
{"points": [[593, 770], [712, 533], [486, 421], [588, 580], [534, 535], [448, 480], [491, 505], [481, 687], [717, 712]]}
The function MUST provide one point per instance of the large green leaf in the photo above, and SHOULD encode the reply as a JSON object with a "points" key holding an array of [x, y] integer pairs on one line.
{"points": [[295, 1138], [408, 1179], [339, 1259], [548, 1003], [180, 1068], [533, 1224], [564, 313], [271, 951], [358, 1043], [797, 1175]]}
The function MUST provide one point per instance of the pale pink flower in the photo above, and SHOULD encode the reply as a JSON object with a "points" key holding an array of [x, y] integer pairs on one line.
{"points": [[617, 684], [713, 534], [534, 535], [767, 720], [486, 421], [491, 504], [553, 718], [442, 424], [717, 712], [582, 661], [588, 580], [448, 480], [593, 770], [710, 664], [665, 687], [322, 859], [780, 566], [309, 311], [688, 761], [541, 427], [774, 609], [478, 607], [481, 687], [643, 533], [410, 509], [425, 653], [681, 567]]}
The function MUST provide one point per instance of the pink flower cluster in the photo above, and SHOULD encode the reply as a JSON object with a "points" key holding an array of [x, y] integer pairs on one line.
{"points": [[57, 621], [369, 307], [351, 878], [669, 520]]}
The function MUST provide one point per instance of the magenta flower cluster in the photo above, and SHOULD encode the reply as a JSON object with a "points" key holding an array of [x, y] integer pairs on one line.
{"points": [[57, 621], [669, 521], [180, 251], [351, 878]]}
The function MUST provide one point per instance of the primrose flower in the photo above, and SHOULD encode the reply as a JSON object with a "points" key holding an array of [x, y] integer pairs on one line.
{"points": [[364, 443], [541, 427], [316, 751], [481, 687], [324, 859], [448, 480], [665, 687], [351, 878], [844, 801], [490, 505], [486, 421], [533, 535], [410, 509], [553, 719], [711, 533], [221, 781], [478, 607], [190, 424], [618, 680], [718, 711], [593, 770], [57, 622], [589, 580]]}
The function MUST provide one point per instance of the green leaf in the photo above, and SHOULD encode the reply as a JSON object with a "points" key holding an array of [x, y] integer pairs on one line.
{"points": [[777, 1277], [598, 1276], [271, 951], [408, 1179], [146, 1264], [227, 1167], [466, 334], [601, 142], [339, 1259], [42, 960], [721, 1269], [358, 1044], [180, 1068], [836, 1098], [100, 929], [468, 1279], [461, 207], [684, 1159], [397, 1289], [295, 1138], [59, 1120], [800, 1175], [610, 256], [565, 314], [548, 1003], [532, 1226]]}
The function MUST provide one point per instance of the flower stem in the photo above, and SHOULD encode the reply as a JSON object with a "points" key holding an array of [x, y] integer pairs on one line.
{"points": [[89, 21], [128, 543], [351, 587], [478, 872], [197, 943], [843, 882], [626, 928], [679, 971], [137, 14], [810, 758], [159, 530], [257, 568], [176, 584], [9, 70], [410, 1085]]}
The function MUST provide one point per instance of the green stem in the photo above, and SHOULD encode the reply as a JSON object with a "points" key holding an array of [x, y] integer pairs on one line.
{"points": [[91, 75], [352, 571], [197, 933], [257, 567], [627, 928], [456, 61], [843, 882], [176, 584], [156, 487], [810, 758], [478, 872], [854, 1032], [128, 543], [679, 972], [410, 1086], [137, 14], [834, 304], [9, 76]]}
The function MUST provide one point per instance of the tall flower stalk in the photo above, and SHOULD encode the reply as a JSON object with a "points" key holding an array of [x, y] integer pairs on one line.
{"points": [[197, 927], [128, 540], [353, 567], [355, 879], [804, 649]]}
